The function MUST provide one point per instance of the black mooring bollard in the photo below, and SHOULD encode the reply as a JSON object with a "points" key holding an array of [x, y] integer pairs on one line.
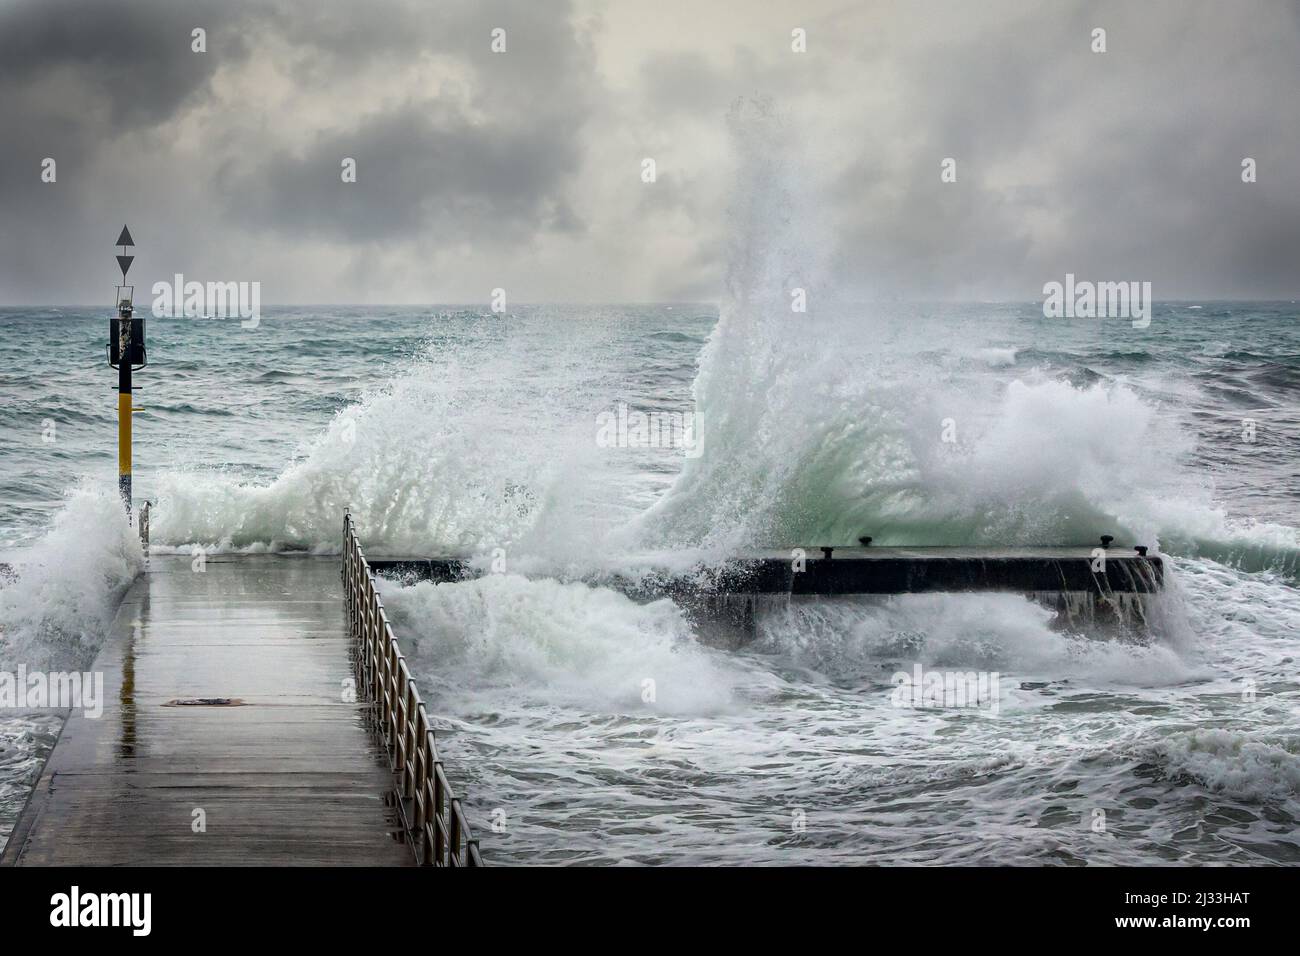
{"points": [[826, 553], [1141, 549], [1106, 539], [865, 540]]}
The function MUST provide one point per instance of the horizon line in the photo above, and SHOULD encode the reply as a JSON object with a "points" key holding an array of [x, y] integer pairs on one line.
{"points": [[634, 302]]}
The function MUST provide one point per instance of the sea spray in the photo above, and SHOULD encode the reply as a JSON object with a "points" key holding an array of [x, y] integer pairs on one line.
{"points": [[457, 453], [56, 611], [851, 639], [560, 644], [845, 420]]}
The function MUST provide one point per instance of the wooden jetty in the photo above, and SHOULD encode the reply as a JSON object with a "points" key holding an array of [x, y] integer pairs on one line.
{"points": [[228, 736]]}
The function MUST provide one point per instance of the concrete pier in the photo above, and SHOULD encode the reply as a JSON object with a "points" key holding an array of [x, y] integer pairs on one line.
{"points": [[226, 705], [869, 570], [724, 599]]}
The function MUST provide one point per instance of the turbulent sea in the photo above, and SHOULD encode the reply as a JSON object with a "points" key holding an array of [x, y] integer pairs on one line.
{"points": [[458, 430]]}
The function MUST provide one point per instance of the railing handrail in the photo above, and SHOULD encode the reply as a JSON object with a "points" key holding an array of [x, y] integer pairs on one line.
{"points": [[431, 812]]}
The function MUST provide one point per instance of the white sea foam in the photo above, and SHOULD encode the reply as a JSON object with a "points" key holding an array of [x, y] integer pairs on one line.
{"points": [[1247, 766], [559, 643], [997, 357], [453, 455], [466, 451], [58, 610], [818, 444], [843, 420], [853, 638]]}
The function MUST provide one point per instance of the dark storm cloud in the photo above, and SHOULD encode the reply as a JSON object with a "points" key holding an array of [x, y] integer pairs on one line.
{"points": [[77, 78], [1133, 156], [79, 81], [496, 165], [89, 82], [136, 54], [417, 169], [1123, 165]]}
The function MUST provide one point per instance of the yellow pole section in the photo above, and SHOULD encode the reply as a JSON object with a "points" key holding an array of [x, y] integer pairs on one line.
{"points": [[124, 433]]}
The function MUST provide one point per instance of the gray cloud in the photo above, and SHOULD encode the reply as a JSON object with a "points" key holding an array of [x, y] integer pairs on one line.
{"points": [[78, 82], [478, 169], [1124, 164], [496, 163], [136, 55], [417, 170]]}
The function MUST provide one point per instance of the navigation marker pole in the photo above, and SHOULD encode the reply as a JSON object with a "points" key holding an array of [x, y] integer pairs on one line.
{"points": [[126, 354]]}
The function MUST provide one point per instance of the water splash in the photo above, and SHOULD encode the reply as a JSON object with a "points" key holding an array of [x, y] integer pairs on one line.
{"points": [[558, 644], [56, 611]]}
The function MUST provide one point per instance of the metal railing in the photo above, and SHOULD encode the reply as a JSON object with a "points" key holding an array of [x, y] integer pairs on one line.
{"points": [[432, 814]]}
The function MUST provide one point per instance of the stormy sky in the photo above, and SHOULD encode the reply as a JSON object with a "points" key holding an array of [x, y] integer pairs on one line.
{"points": [[523, 169]]}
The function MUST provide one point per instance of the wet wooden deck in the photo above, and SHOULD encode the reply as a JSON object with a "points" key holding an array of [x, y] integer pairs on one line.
{"points": [[291, 777]]}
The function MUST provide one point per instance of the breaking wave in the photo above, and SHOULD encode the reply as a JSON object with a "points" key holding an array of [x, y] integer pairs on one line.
{"points": [[559, 643], [458, 453], [57, 607], [1236, 764]]}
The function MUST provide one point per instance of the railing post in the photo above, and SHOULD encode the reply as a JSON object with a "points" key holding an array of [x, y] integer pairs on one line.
{"points": [[454, 839], [412, 720], [439, 815]]}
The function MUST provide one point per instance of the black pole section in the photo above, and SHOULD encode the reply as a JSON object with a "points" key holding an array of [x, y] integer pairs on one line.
{"points": [[124, 411]]}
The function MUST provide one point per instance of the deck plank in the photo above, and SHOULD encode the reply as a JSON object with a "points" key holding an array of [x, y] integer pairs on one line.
{"points": [[292, 777]]}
